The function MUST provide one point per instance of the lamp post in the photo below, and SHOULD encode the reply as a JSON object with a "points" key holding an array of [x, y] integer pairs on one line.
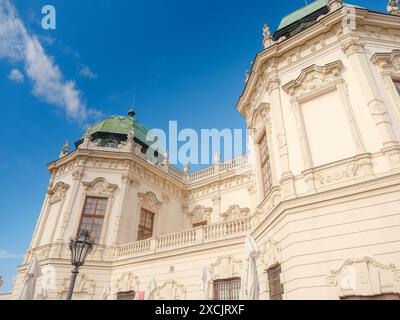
{"points": [[80, 248]]}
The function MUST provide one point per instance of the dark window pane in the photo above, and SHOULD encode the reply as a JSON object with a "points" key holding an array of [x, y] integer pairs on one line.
{"points": [[275, 286], [397, 85], [146, 223], [130, 295], [265, 165], [93, 216]]}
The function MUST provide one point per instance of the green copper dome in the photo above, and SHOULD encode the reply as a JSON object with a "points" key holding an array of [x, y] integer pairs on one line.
{"points": [[120, 125], [114, 130]]}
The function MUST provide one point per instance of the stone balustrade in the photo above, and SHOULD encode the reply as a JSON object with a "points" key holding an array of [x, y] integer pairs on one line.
{"points": [[197, 236], [219, 168]]}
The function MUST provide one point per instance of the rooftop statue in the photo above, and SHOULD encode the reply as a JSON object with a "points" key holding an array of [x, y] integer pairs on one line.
{"points": [[393, 7]]}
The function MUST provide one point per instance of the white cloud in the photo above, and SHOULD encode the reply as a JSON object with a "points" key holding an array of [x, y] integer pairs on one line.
{"points": [[16, 76], [49, 85], [87, 73], [4, 254]]}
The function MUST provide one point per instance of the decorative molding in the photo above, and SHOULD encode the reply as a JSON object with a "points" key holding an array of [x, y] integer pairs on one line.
{"points": [[342, 171], [199, 214], [314, 78], [352, 46], [149, 201], [388, 65], [99, 187], [84, 285], [258, 118], [126, 282], [312, 83], [170, 290], [58, 192], [226, 267], [130, 180], [364, 277], [270, 254], [235, 212]]}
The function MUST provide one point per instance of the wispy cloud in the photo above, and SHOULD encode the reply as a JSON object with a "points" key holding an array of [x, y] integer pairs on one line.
{"points": [[4, 254], [16, 76], [87, 73], [49, 85]]}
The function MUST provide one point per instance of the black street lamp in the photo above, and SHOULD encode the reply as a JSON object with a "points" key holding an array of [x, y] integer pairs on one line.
{"points": [[80, 248]]}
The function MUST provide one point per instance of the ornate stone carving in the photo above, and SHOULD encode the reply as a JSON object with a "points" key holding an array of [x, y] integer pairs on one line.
{"points": [[314, 78], [130, 180], [267, 37], [149, 201], [226, 267], [126, 282], [58, 192], [393, 7], [365, 277], [100, 187], [235, 212], [352, 46], [84, 286], [387, 62], [335, 5], [65, 149], [258, 118], [341, 171], [200, 214], [77, 174], [170, 290], [270, 254]]}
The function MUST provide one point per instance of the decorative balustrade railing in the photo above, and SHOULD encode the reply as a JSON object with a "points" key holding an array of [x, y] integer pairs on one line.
{"points": [[223, 167], [201, 235]]}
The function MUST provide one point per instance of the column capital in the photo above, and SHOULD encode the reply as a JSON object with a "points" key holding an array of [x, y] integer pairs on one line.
{"points": [[352, 46]]}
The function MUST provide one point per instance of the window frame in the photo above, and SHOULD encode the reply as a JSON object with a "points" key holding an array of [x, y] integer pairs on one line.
{"points": [[233, 284], [143, 227], [265, 163], [126, 294], [274, 281], [93, 216]]}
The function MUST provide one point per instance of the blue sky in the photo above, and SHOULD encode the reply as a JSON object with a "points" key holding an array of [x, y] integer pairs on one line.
{"points": [[184, 61]]}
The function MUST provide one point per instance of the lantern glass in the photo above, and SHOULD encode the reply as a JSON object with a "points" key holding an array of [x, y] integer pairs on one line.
{"points": [[80, 248]]}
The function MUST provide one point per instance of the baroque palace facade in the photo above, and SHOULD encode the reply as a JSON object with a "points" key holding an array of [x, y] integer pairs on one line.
{"points": [[319, 190]]}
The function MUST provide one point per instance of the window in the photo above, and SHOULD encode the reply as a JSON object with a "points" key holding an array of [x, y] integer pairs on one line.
{"points": [[397, 85], [266, 172], [129, 295], [110, 143], [228, 289], [146, 223], [275, 286], [93, 216], [200, 224]]}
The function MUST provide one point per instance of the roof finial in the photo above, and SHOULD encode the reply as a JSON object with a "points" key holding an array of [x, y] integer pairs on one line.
{"points": [[335, 5], [132, 112], [267, 40], [393, 7]]}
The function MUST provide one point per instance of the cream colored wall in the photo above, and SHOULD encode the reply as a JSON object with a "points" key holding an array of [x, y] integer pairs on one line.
{"points": [[344, 211]]}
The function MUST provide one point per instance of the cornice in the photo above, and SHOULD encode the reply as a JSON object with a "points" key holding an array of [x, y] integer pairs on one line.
{"points": [[129, 163], [325, 25]]}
